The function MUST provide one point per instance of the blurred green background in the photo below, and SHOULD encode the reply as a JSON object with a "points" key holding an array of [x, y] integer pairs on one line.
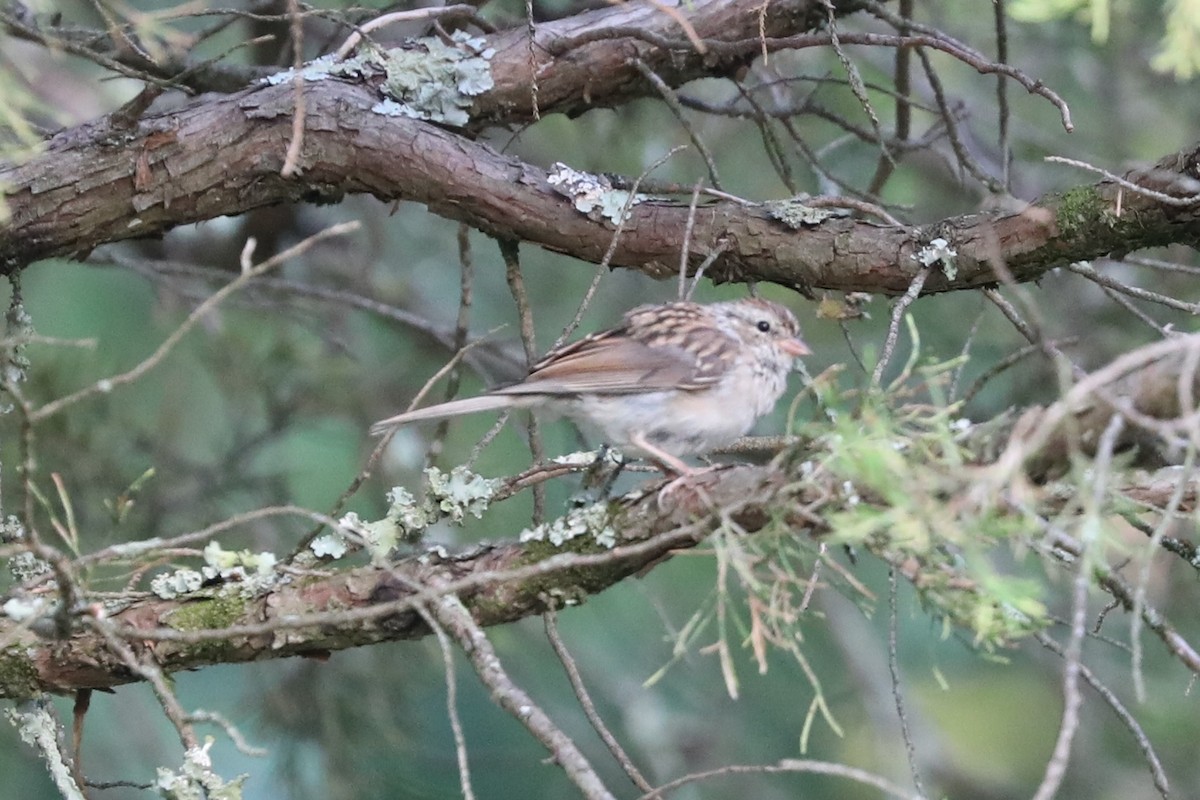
{"points": [[269, 400]]}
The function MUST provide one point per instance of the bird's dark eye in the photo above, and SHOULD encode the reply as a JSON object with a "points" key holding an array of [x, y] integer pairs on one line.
{"points": [[764, 326]]}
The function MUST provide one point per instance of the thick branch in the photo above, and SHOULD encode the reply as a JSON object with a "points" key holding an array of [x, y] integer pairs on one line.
{"points": [[97, 184], [497, 584], [589, 60]]}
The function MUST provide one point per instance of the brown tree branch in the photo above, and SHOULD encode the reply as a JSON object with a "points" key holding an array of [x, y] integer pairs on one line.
{"points": [[313, 613], [96, 184], [120, 178]]}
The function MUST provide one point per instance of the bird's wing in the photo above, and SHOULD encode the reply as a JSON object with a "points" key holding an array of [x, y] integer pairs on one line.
{"points": [[620, 361]]}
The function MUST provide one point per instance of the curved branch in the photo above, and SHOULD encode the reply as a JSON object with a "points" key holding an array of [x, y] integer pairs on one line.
{"points": [[99, 183], [314, 613]]}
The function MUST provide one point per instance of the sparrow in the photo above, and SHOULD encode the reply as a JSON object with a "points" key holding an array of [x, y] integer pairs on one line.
{"points": [[671, 380]]}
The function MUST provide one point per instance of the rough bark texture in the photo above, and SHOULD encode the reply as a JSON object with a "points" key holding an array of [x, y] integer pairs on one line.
{"points": [[117, 179], [97, 184], [249, 628]]}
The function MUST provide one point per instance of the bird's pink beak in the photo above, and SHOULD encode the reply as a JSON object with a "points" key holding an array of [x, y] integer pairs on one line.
{"points": [[794, 347]]}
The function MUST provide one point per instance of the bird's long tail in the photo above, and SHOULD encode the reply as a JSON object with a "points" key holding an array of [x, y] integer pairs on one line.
{"points": [[454, 408]]}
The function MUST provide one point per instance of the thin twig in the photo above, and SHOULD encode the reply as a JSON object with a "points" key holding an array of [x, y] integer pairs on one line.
{"points": [[602, 268], [106, 385], [708, 261], [1127, 719], [510, 252], [669, 97], [687, 241], [462, 330], [965, 160], [965, 352], [436, 12], [1011, 360], [1087, 271], [910, 749], [290, 162], [1166, 199], [792, 765], [460, 739], [589, 708], [902, 78], [1165, 266], [231, 730], [1000, 20], [1141, 316], [531, 30], [457, 621], [1056, 767], [127, 551], [898, 311], [152, 674], [854, 78]]}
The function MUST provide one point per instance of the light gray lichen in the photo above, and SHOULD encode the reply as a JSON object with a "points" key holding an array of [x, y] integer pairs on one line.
{"points": [[318, 69], [580, 458], [170, 585], [592, 195], [196, 780], [18, 330], [251, 573], [796, 215], [25, 566], [593, 520], [938, 251], [38, 728]]}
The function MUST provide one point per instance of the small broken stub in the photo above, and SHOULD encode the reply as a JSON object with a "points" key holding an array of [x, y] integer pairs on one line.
{"points": [[593, 195]]}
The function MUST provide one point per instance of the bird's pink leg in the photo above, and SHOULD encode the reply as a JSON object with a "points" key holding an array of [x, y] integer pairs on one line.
{"points": [[662, 458]]}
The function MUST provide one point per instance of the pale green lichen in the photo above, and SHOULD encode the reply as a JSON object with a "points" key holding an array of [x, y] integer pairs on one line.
{"points": [[379, 537], [448, 495], [427, 78], [460, 492], [238, 563], [430, 79], [592, 195], [332, 545], [196, 780]]}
